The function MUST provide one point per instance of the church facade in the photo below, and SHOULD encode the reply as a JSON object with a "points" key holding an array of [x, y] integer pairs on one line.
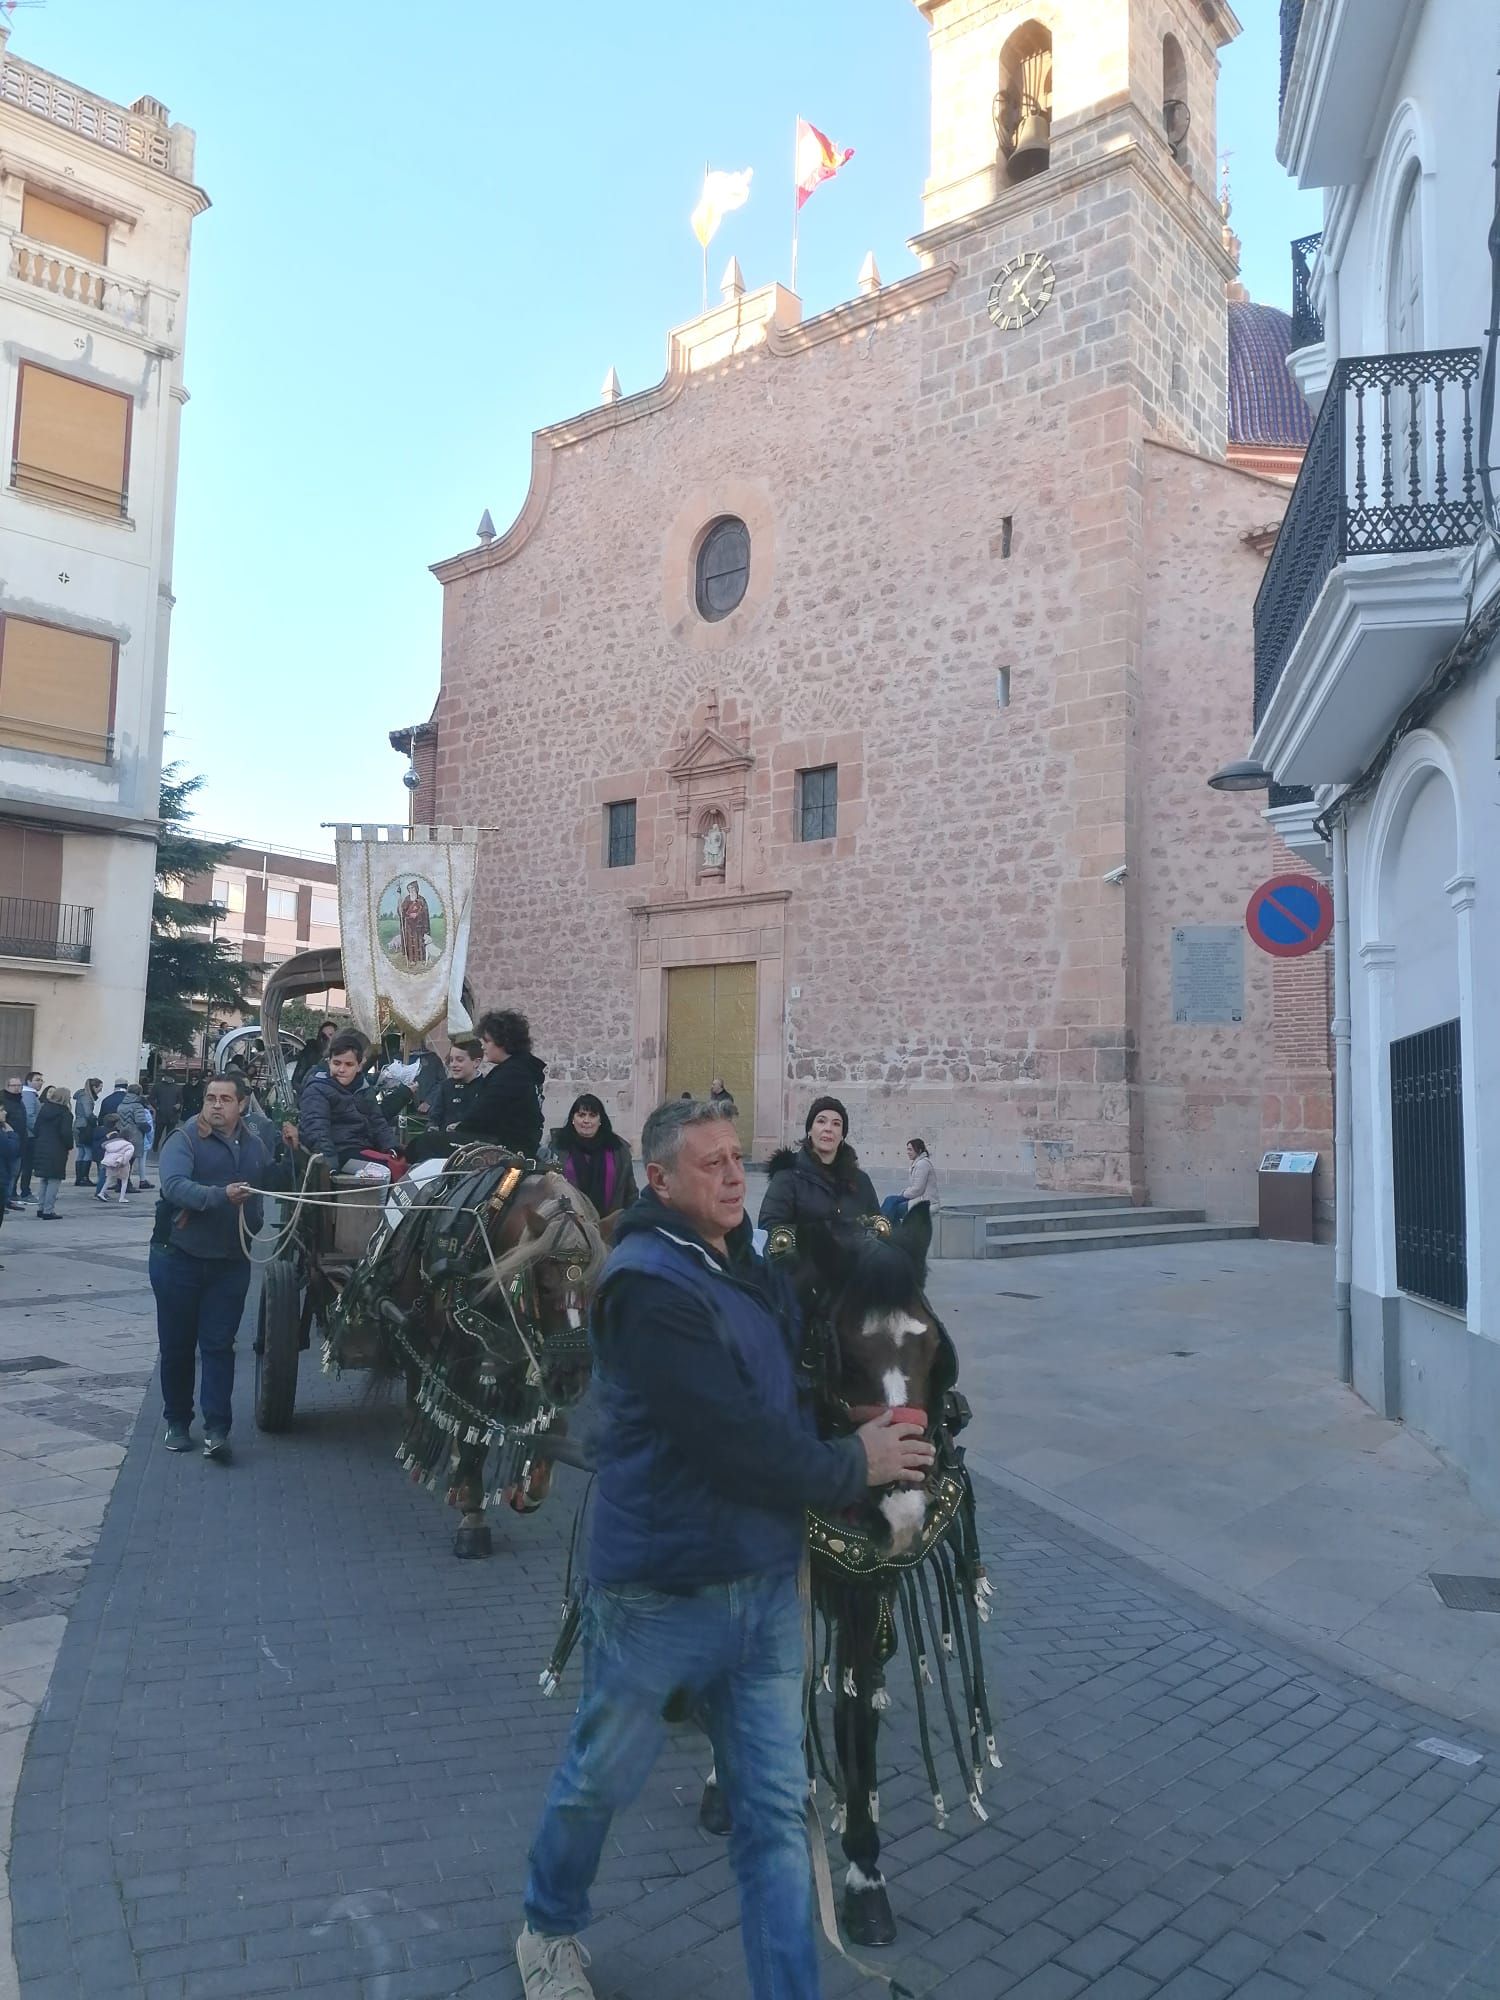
{"points": [[852, 691]]}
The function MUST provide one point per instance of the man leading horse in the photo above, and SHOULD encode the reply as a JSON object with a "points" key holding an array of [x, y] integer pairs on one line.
{"points": [[708, 1460]]}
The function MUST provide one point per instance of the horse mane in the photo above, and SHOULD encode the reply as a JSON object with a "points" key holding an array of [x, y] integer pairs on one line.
{"points": [[869, 1273]]}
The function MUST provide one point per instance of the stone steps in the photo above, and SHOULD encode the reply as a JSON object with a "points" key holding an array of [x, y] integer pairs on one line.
{"points": [[1039, 1225], [1055, 1242]]}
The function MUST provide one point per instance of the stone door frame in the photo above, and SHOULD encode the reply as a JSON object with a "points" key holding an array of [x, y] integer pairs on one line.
{"points": [[715, 930]]}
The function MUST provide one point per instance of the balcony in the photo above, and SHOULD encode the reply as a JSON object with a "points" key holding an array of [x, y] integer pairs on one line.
{"points": [[57, 933], [1336, 60], [1366, 586], [1307, 321], [74, 281]]}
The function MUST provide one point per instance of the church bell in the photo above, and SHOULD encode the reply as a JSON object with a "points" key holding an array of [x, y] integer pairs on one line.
{"points": [[1033, 144]]}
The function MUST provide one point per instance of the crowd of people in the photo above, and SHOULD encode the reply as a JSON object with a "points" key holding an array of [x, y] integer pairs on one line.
{"points": [[107, 1135]]}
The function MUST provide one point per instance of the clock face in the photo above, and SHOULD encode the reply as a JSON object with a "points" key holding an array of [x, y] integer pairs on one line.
{"points": [[1022, 291]]}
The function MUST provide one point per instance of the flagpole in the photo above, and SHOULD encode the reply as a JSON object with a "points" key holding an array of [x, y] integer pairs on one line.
{"points": [[796, 206], [705, 249]]}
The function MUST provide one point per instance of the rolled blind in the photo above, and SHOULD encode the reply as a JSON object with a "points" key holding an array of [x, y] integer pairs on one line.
{"points": [[72, 440], [49, 222], [56, 690]]}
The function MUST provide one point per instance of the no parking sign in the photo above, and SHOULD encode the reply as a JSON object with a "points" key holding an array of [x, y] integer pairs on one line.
{"points": [[1290, 916]]}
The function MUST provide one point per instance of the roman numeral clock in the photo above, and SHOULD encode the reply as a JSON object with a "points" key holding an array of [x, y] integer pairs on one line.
{"points": [[1022, 291]]}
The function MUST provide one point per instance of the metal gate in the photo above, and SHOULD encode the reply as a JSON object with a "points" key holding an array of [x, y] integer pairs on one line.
{"points": [[1427, 1165]]}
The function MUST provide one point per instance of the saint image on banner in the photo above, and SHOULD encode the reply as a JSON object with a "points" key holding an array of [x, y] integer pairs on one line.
{"points": [[412, 923]]}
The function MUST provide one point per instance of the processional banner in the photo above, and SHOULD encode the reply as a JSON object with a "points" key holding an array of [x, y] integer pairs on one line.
{"points": [[406, 894]]}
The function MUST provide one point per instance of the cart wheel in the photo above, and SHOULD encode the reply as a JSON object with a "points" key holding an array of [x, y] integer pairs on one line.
{"points": [[278, 1329]]}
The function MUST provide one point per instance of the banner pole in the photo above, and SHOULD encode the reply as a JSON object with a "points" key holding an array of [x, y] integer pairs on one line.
{"points": [[796, 205], [705, 249]]}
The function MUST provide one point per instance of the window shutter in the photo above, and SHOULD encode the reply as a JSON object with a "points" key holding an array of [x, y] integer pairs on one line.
{"points": [[57, 690], [72, 441], [50, 222]]}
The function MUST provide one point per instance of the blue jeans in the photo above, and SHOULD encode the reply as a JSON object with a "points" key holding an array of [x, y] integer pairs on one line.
{"points": [[47, 1198], [738, 1648], [199, 1304], [893, 1208]]}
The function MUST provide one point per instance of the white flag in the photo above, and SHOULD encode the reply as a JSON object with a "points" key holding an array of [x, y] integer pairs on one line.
{"points": [[721, 193], [405, 898]]}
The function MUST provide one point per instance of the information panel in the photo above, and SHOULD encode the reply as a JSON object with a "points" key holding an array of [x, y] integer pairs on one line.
{"points": [[1208, 973]]}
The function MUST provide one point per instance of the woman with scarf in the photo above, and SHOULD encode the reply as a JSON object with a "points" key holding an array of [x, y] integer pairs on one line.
{"points": [[594, 1158]]}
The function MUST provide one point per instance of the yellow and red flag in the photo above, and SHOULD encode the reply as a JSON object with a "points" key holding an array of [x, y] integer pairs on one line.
{"points": [[818, 159]]}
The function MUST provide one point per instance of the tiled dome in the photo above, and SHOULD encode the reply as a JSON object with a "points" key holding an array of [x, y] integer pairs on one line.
{"points": [[1265, 404]]}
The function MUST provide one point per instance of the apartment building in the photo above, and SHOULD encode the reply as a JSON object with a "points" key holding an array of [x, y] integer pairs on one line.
{"points": [[97, 203], [1377, 681]]}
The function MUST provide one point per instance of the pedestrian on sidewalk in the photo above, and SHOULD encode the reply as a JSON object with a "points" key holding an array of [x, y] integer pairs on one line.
{"points": [[200, 1267], [707, 1460], [114, 1167], [134, 1121], [85, 1125], [14, 1106], [911, 1210], [31, 1098], [166, 1101], [51, 1144], [10, 1160]]}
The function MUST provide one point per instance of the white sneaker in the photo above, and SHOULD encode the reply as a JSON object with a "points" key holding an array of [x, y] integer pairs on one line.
{"points": [[552, 1967]]}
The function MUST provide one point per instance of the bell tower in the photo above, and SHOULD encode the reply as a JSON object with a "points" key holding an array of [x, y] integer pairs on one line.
{"points": [[1022, 87], [1086, 129]]}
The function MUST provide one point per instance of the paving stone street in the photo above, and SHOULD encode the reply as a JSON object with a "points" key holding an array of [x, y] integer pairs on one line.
{"points": [[291, 1746]]}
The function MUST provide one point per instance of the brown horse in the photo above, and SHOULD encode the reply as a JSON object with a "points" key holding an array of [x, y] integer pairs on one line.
{"points": [[482, 1295]]}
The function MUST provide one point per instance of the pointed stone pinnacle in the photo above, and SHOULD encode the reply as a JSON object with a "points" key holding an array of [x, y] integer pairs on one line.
{"points": [[732, 284], [486, 529], [869, 275], [611, 391]]}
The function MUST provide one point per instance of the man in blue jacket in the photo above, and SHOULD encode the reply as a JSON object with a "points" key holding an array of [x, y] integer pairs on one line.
{"points": [[707, 1462], [200, 1271]]}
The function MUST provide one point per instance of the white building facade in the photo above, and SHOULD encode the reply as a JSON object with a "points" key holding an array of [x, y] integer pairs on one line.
{"points": [[97, 204], [1378, 683]]}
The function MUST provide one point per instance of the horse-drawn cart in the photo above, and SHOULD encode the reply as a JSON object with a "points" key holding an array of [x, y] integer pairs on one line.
{"points": [[325, 1227]]}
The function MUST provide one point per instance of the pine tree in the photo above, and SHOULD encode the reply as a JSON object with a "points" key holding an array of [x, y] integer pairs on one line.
{"points": [[189, 971]]}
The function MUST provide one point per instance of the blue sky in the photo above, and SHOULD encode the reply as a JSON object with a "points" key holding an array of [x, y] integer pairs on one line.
{"points": [[435, 229]]}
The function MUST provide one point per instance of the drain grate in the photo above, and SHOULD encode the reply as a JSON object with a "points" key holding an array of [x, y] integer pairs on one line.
{"points": [[1468, 1593], [24, 1364], [1183, 1353], [1018, 1295]]}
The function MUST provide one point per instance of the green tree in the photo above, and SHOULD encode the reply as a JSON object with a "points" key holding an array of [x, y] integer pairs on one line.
{"points": [[189, 969]]}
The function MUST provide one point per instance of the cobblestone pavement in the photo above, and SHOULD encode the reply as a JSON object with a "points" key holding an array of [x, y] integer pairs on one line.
{"points": [[291, 1746], [77, 1340]]}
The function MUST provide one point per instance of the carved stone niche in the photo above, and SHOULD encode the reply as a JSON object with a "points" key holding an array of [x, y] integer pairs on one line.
{"points": [[710, 777]]}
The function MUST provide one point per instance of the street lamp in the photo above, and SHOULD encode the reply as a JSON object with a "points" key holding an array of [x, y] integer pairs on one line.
{"points": [[1242, 775]]}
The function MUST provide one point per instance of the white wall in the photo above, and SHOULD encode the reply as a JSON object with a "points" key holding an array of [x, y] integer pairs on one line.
{"points": [[1439, 112]]}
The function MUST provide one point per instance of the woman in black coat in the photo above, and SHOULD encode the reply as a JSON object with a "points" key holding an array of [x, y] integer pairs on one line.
{"points": [[821, 1179], [52, 1141], [594, 1157]]}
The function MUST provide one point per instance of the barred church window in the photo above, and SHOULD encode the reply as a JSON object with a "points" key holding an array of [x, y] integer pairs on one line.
{"points": [[723, 568], [620, 833], [818, 803]]}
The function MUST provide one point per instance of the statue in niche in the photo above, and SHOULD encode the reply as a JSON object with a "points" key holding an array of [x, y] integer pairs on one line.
{"points": [[714, 847]]}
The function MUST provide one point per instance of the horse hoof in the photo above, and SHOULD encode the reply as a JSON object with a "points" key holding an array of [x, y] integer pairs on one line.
{"points": [[867, 1915], [473, 1543], [713, 1810]]}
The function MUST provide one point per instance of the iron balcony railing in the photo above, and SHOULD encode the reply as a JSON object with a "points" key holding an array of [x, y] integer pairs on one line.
{"points": [[31, 929], [1389, 471], [1291, 21], [1307, 321]]}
